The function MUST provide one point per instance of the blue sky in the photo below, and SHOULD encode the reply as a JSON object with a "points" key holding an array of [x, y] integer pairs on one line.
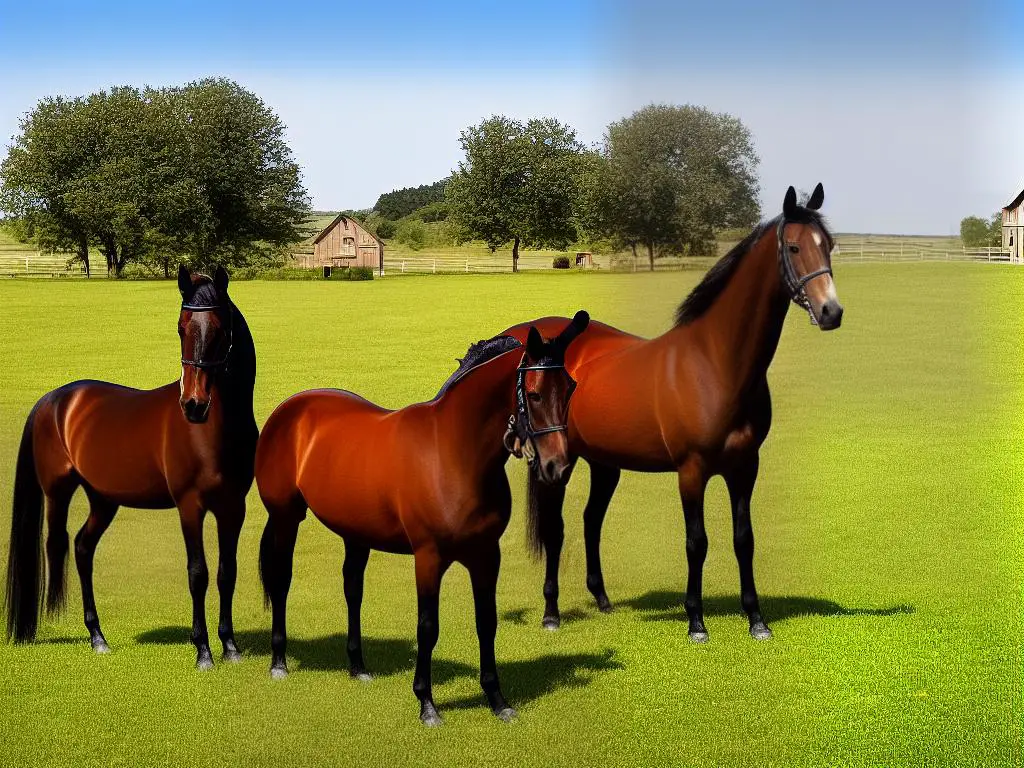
{"points": [[910, 113]]}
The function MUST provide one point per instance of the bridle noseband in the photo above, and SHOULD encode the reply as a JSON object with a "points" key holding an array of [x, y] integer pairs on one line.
{"points": [[222, 362], [520, 425], [794, 283]]}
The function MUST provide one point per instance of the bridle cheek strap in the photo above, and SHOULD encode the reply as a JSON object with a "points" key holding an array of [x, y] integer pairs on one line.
{"points": [[520, 433], [794, 283]]}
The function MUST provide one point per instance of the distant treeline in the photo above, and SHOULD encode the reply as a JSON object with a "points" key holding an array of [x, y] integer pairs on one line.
{"points": [[401, 202]]}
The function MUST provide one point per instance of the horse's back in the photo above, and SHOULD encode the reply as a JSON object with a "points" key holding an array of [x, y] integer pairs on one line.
{"points": [[597, 340]]}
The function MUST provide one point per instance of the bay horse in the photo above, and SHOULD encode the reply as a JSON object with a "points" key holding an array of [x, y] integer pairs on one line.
{"points": [[694, 400], [427, 480], [189, 444]]}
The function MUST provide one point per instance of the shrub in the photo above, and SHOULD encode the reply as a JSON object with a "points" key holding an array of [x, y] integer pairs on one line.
{"points": [[386, 229], [352, 273], [560, 262]]}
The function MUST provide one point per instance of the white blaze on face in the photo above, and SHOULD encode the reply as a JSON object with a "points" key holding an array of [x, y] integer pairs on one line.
{"points": [[817, 238]]}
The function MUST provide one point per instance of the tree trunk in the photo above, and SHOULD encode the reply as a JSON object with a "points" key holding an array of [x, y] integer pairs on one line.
{"points": [[650, 254], [633, 246], [515, 255], [83, 253], [109, 251], [167, 271]]}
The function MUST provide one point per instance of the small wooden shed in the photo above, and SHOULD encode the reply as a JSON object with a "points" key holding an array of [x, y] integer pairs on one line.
{"points": [[584, 259], [1013, 228], [347, 243]]}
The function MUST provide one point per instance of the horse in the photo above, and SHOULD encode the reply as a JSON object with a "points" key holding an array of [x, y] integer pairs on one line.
{"points": [[427, 480], [190, 444], [694, 400]]}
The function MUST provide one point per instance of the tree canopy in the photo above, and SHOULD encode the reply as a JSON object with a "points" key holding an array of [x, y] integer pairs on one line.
{"points": [[401, 202], [518, 183], [198, 173], [668, 178], [976, 232]]}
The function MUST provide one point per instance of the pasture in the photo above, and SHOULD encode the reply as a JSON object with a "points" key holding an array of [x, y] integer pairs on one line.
{"points": [[887, 516]]}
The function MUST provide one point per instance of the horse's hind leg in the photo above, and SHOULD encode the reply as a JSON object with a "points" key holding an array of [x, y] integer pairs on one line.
{"points": [[192, 514], [101, 513], [58, 499], [356, 557], [483, 572], [229, 525], [740, 481], [279, 539], [603, 481]]}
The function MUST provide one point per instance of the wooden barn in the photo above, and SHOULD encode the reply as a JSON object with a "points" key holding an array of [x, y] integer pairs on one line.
{"points": [[1013, 228], [346, 243]]}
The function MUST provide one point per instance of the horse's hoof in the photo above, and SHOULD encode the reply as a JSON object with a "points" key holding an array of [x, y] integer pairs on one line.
{"points": [[760, 631], [506, 714], [551, 623], [604, 605], [278, 673], [361, 675], [699, 637], [204, 663], [430, 718], [233, 656], [100, 646]]}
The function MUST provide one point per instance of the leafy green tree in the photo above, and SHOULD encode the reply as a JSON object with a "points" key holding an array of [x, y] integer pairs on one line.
{"points": [[517, 183], [670, 177], [412, 232], [976, 232], [401, 202], [199, 173]]}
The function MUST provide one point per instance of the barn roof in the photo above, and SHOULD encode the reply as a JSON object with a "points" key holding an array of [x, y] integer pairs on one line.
{"points": [[1015, 202], [334, 223]]}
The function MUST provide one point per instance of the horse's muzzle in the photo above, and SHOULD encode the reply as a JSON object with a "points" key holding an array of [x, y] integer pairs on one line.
{"points": [[831, 315], [194, 411]]}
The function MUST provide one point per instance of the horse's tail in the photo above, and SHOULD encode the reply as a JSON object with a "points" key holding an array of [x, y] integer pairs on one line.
{"points": [[534, 522], [24, 597], [267, 559]]}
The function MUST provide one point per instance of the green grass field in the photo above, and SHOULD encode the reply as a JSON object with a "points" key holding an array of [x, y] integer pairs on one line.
{"points": [[887, 515]]}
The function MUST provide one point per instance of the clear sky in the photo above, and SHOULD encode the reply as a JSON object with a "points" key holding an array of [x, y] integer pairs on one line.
{"points": [[911, 113]]}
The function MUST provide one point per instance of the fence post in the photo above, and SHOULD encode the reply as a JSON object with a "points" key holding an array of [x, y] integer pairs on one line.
{"points": [[467, 265], [403, 266], [435, 266]]}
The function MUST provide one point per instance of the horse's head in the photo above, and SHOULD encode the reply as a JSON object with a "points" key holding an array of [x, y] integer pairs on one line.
{"points": [[205, 327], [543, 389], [805, 259]]}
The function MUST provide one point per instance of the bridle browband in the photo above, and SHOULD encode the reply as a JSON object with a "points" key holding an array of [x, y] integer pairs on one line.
{"points": [[520, 425], [795, 284], [222, 362]]}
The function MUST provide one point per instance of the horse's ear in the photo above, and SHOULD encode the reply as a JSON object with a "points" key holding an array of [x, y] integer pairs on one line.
{"points": [[789, 204], [579, 324], [220, 280], [184, 280], [534, 344], [816, 199]]}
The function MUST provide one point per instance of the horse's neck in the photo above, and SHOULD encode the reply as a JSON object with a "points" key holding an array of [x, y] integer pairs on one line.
{"points": [[477, 410], [239, 381], [742, 327]]}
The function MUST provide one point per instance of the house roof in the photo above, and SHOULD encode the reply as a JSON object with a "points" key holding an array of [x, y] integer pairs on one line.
{"points": [[334, 223], [1015, 202]]}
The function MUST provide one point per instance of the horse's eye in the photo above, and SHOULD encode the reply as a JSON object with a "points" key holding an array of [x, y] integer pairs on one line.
{"points": [[534, 397], [794, 249]]}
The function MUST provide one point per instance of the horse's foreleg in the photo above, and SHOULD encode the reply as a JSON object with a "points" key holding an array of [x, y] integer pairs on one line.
{"points": [[603, 481], [192, 514], [740, 481], [354, 570], [229, 525], [430, 567], [101, 514], [483, 572], [549, 501], [692, 483]]}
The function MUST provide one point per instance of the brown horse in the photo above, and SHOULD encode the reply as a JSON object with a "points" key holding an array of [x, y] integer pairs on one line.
{"points": [[189, 444], [694, 400], [427, 480]]}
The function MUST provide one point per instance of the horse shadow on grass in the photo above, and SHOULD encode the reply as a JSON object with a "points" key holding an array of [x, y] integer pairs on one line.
{"points": [[525, 680], [667, 605], [520, 616]]}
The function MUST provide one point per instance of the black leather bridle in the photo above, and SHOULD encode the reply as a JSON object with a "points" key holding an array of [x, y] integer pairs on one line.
{"points": [[794, 283], [520, 425], [223, 361]]}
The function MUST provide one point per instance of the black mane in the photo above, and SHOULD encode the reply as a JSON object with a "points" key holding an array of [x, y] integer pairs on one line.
{"points": [[478, 354], [703, 296]]}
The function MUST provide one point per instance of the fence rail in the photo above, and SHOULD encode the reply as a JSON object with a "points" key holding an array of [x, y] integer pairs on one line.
{"points": [[855, 255], [22, 263]]}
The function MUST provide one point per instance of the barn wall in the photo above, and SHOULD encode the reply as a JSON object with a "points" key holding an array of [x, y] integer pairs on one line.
{"points": [[347, 244]]}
